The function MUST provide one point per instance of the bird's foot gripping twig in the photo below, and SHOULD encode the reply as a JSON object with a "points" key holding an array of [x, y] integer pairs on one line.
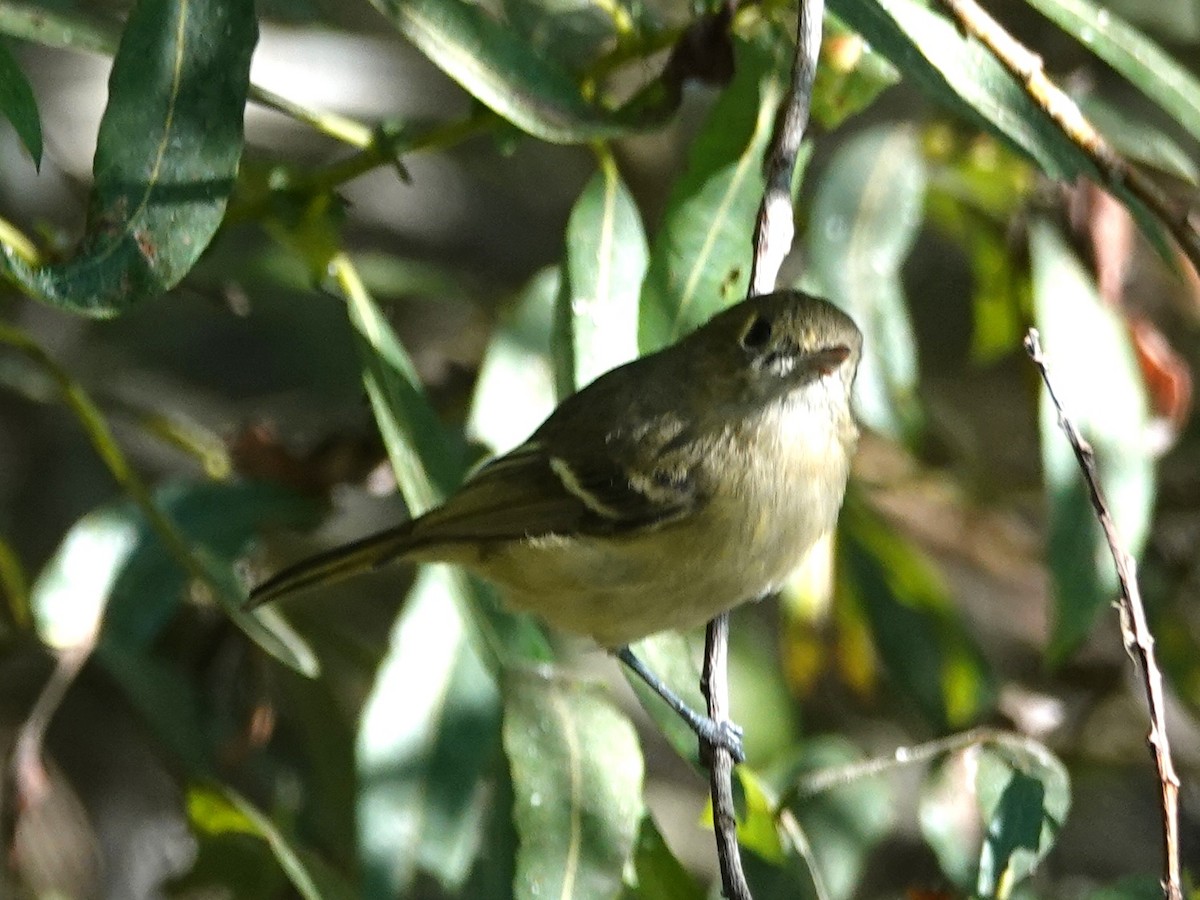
{"points": [[712, 733]]}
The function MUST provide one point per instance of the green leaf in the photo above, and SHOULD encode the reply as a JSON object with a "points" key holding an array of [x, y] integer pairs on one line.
{"points": [[428, 734], [917, 631], [700, 258], [961, 74], [217, 810], [865, 217], [844, 822], [1138, 140], [756, 827], [606, 260], [166, 156], [1092, 363], [427, 460], [1150, 69], [499, 68], [991, 812], [515, 389], [18, 105], [577, 774], [660, 875], [1024, 795], [62, 30], [112, 564]]}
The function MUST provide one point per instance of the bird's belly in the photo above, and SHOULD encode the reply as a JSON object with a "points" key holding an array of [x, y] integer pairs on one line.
{"points": [[618, 590]]}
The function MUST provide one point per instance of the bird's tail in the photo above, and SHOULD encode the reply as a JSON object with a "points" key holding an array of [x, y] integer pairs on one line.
{"points": [[336, 564]]}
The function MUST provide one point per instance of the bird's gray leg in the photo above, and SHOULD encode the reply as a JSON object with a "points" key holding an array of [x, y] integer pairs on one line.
{"points": [[716, 734]]}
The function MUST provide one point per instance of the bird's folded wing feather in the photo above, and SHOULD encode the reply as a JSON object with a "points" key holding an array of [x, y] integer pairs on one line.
{"points": [[532, 492]]}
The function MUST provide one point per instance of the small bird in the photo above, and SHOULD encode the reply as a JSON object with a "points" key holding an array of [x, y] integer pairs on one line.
{"points": [[669, 490]]}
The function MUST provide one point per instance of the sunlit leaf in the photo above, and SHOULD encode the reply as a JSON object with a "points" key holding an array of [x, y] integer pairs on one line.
{"points": [[700, 257], [757, 830], [515, 389], [864, 219], [919, 635], [166, 156], [577, 775], [1147, 67], [18, 105], [1097, 377], [605, 261], [499, 68], [1024, 795], [428, 734], [428, 461], [219, 810], [991, 812]]}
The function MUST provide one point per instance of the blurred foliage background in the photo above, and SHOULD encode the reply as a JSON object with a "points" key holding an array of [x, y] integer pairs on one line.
{"points": [[220, 352]]}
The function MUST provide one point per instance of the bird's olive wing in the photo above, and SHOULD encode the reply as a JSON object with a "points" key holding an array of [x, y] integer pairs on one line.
{"points": [[532, 492]]}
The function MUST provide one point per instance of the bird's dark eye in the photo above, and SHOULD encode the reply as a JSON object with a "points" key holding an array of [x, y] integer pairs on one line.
{"points": [[757, 334]]}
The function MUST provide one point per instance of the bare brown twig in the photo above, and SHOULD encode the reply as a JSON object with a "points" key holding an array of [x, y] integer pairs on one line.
{"points": [[773, 233], [1025, 66], [1139, 643]]}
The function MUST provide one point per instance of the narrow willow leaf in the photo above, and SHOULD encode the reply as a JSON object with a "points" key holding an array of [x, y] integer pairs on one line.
{"points": [[1146, 65], [700, 258], [865, 216], [166, 156], [428, 461], [18, 105], [917, 632], [497, 67], [606, 260], [961, 73], [577, 775], [216, 810], [428, 735], [60, 29], [1097, 377]]}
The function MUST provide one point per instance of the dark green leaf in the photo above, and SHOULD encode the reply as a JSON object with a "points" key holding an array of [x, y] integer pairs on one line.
{"points": [[1133, 887], [1097, 377], [992, 810], [1132, 54], [1024, 796], [428, 462], [700, 258], [166, 156], [606, 259], [18, 105], [963, 75], [919, 635], [865, 217], [221, 810], [499, 68], [660, 876], [1139, 141], [577, 775], [428, 734]]}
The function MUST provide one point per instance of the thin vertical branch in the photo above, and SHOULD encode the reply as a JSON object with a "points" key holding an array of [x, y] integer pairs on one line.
{"points": [[1139, 642], [773, 233]]}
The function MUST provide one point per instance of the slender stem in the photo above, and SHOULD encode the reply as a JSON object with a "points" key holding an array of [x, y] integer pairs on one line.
{"points": [[1135, 631]]}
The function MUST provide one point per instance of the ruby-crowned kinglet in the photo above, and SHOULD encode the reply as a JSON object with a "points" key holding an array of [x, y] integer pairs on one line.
{"points": [[665, 492]]}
